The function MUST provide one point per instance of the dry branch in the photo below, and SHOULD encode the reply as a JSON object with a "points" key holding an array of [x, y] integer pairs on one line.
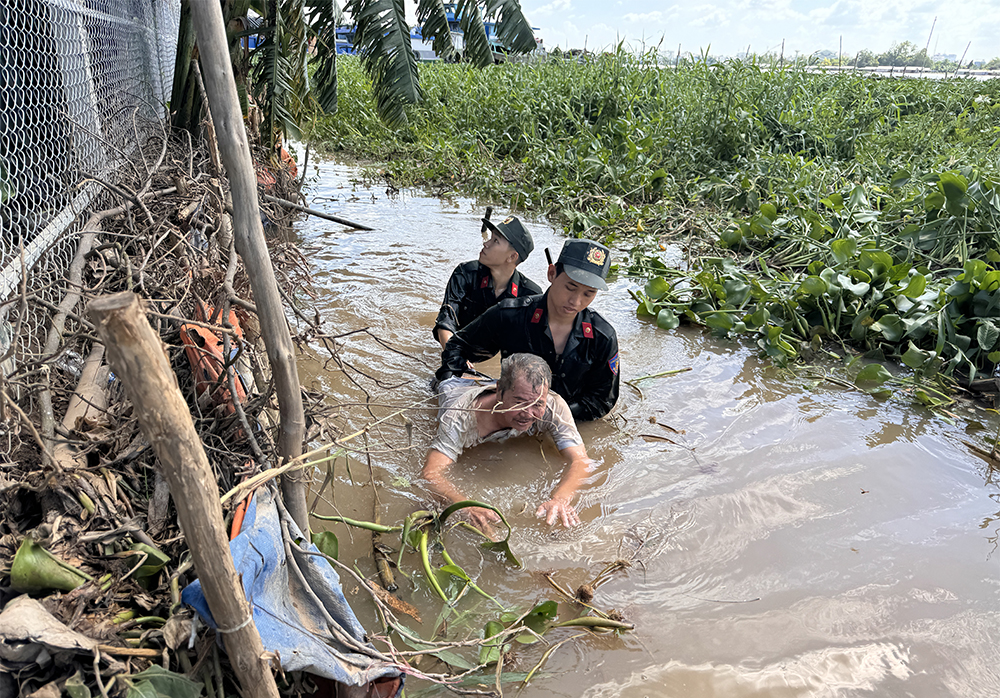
{"points": [[217, 71]]}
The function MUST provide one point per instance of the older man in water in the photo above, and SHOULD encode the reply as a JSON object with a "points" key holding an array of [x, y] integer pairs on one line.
{"points": [[519, 403]]}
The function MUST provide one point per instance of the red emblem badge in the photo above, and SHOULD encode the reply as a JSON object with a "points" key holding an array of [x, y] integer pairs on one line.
{"points": [[588, 330], [484, 282], [513, 290], [537, 316]]}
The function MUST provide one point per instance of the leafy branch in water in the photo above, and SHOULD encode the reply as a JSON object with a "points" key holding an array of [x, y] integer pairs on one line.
{"points": [[423, 532]]}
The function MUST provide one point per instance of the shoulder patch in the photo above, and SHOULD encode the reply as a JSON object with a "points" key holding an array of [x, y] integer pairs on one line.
{"points": [[484, 282], [537, 316], [513, 290], [588, 330], [613, 364]]}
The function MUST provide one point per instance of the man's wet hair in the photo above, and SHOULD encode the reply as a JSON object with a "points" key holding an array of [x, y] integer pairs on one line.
{"points": [[528, 366]]}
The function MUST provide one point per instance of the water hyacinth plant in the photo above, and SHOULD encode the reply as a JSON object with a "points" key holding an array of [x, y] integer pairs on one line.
{"points": [[805, 207]]}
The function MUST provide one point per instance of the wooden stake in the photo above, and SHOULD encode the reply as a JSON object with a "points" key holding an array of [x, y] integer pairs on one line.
{"points": [[137, 357], [224, 104]]}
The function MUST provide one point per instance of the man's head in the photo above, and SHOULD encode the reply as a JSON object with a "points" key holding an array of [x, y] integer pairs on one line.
{"points": [[576, 277], [523, 390], [508, 235]]}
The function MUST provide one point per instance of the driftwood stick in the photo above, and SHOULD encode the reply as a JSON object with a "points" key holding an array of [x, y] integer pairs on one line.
{"points": [[89, 400], [217, 71], [313, 212], [55, 334], [137, 357]]}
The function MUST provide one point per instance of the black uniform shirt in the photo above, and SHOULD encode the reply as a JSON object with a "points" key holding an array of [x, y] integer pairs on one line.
{"points": [[470, 293], [585, 374]]}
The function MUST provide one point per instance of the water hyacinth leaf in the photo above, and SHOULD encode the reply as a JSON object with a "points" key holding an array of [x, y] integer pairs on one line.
{"points": [[891, 326], [916, 358], [657, 287], [456, 571], [813, 286], [994, 356], [155, 561], [36, 569], [732, 237], [843, 249], [954, 186], [872, 375], [646, 308], [75, 687], [538, 620], [327, 543], [858, 288], [719, 321], [835, 201], [759, 317], [916, 286], [934, 201], [858, 198], [987, 335], [666, 319], [157, 682], [737, 291], [769, 211], [900, 179], [489, 652]]}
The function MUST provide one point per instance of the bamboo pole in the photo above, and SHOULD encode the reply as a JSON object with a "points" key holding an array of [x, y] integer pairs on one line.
{"points": [[137, 357], [217, 72]]}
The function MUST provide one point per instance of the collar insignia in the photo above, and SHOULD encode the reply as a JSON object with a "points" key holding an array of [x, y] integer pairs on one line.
{"points": [[484, 282], [588, 330], [513, 290], [537, 316]]}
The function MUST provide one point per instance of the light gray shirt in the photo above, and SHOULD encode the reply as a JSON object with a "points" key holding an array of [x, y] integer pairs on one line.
{"points": [[458, 430]]}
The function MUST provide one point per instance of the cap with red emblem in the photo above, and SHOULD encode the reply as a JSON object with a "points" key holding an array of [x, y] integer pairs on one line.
{"points": [[511, 229], [586, 262]]}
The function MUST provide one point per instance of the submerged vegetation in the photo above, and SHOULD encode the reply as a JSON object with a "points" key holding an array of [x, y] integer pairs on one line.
{"points": [[811, 207]]}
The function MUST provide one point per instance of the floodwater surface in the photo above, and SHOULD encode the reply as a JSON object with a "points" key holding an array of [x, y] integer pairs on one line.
{"points": [[784, 536]]}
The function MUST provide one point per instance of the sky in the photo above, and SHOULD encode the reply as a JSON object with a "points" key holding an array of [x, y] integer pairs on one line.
{"points": [[806, 26]]}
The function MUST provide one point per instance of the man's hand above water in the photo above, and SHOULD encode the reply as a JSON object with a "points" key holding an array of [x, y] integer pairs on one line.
{"points": [[558, 510]]}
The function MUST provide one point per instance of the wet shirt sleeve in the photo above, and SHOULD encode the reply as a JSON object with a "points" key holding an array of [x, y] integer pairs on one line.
{"points": [[453, 425], [454, 294], [477, 341], [599, 386], [559, 423]]}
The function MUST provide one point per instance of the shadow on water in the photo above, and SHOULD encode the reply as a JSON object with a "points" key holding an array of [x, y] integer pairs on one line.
{"points": [[787, 538]]}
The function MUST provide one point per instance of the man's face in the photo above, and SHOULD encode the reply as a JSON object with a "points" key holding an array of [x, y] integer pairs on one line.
{"points": [[522, 405], [567, 297], [495, 251]]}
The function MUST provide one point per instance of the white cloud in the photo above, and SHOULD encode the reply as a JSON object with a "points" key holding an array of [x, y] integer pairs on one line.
{"points": [[552, 8], [645, 17], [710, 16]]}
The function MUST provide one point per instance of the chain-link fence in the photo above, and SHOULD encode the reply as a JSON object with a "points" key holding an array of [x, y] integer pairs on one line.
{"points": [[83, 85]]}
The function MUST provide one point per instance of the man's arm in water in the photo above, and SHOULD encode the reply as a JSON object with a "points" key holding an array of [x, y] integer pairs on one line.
{"points": [[560, 508], [436, 474]]}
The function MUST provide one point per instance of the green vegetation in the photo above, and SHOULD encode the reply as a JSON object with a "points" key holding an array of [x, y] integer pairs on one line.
{"points": [[839, 207]]}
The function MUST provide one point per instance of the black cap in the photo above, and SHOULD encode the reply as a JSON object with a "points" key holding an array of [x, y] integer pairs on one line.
{"points": [[586, 262], [515, 233]]}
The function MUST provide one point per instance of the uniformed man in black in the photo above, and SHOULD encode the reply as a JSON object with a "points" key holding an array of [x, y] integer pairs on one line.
{"points": [[579, 345], [477, 286]]}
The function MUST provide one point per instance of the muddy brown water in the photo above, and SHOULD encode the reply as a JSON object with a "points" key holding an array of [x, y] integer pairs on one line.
{"points": [[786, 538]]}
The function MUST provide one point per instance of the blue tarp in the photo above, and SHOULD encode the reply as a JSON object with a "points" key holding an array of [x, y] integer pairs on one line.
{"points": [[287, 616]]}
